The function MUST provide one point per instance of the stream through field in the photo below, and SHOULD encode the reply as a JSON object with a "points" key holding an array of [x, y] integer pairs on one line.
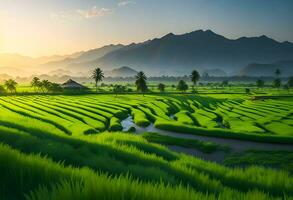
{"points": [[236, 146]]}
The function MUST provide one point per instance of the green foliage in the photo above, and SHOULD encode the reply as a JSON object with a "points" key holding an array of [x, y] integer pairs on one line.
{"points": [[98, 76], [140, 82], [225, 83], [290, 82], [45, 86], [140, 117], [161, 87], [36, 83], [184, 117], [275, 159], [216, 132], [260, 83], [2, 89], [10, 85], [277, 83], [182, 86], [194, 77], [119, 89], [67, 129], [115, 124], [207, 147], [34, 177]]}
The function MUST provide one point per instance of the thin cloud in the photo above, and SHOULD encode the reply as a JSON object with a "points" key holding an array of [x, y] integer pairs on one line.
{"points": [[94, 12], [125, 3], [82, 13]]}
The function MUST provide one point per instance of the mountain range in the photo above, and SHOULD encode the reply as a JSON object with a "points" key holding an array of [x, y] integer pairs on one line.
{"points": [[259, 69], [179, 54]]}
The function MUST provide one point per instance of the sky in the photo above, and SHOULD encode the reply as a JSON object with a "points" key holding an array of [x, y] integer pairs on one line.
{"points": [[47, 27]]}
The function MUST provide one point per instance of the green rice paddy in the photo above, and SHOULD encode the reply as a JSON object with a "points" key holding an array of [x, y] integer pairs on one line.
{"points": [[73, 147]]}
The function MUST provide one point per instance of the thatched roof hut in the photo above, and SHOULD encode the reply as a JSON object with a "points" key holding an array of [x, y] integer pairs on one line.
{"points": [[73, 85]]}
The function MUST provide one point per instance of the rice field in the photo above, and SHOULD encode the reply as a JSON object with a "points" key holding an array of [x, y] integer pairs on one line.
{"points": [[76, 147], [90, 114]]}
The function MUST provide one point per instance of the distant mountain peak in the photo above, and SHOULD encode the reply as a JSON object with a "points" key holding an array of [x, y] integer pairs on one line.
{"points": [[169, 35], [123, 71], [264, 37]]}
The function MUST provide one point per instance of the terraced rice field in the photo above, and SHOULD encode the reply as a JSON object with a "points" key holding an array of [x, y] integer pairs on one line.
{"points": [[90, 114], [73, 147]]}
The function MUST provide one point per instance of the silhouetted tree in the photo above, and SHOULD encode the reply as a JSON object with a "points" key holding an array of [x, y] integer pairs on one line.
{"points": [[290, 82], [54, 87], [36, 83], [278, 72], [98, 76], [247, 90], [194, 77], [277, 83], [140, 82], [44, 85], [10, 85], [119, 89], [182, 86], [161, 87], [173, 86], [260, 83], [225, 83]]}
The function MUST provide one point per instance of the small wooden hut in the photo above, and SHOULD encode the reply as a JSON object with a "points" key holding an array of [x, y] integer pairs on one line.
{"points": [[73, 85]]}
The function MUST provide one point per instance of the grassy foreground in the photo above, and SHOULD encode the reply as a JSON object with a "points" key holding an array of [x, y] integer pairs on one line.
{"points": [[33, 177]]}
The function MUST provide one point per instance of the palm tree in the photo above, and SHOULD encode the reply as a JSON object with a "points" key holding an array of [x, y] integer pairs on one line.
{"points": [[35, 83], [140, 82], [98, 76], [194, 77], [278, 72], [10, 85]]}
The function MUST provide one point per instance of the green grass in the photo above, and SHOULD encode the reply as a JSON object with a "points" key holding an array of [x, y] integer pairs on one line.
{"points": [[115, 124], [140, 117], [206, 147], [36, 178], [275, 159], [118, 153], [216, 132], [238, 113], [63, 149]]}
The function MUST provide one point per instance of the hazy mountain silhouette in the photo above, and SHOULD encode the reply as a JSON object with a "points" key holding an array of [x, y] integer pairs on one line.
{"points": [[257, 69], [121, 72], [214, 72], [85, 57], [170, 55], [16, 60], [179, 54]]}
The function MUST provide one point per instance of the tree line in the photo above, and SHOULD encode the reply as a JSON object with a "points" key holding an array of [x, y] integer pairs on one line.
{"points": [[45, 86], [37, 84], [141, 82]]}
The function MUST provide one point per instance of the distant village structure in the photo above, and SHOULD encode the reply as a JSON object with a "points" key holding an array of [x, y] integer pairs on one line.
{"points": [[73, 85]]}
